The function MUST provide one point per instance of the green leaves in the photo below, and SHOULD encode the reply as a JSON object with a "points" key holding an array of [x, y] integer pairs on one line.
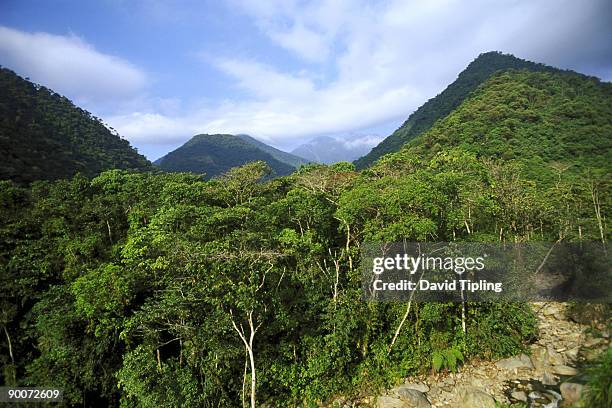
{"points": [[446, 359]]}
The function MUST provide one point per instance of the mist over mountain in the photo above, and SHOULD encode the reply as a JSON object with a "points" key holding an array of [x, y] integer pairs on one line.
{"points": [[287, 158], [328, 150]]}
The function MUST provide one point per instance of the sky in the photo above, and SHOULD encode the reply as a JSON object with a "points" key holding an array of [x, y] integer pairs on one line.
{"points": [[283, 71]]}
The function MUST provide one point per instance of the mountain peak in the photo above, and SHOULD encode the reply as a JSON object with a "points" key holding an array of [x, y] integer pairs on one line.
{"points": [[476, 73], [215, 154]]}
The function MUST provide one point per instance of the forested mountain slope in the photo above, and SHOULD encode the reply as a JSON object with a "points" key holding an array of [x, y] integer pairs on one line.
{"points": [[45, 136], [213, 155], [441, 105], [545, 122]]}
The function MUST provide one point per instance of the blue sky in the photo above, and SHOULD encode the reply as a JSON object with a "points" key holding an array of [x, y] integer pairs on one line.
{"points": [[283, 71]]}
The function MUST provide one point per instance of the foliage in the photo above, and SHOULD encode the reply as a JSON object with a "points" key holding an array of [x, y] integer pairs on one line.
{"points": [[599, 386], [43, 136], [421, 120], [448, 358]]}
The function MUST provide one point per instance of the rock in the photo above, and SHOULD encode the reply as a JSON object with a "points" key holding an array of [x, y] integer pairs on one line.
{"points": [[414, 397], [391, 402], [590, 342], [553, 310], [549, 379], [564, 370], [471, 397], [538, 358], [417, 386], [573, 353], [587, 313], [519, 396], [514, 363], [571, 392], [552, 357]]}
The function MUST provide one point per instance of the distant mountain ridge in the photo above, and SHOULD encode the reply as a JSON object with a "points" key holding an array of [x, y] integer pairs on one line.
{"points": [[215, 154], [328, 150], [287, 158], [421, 120], [44, 136]]}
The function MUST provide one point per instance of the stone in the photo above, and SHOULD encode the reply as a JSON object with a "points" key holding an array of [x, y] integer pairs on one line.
{"points": [[416, 398], [551, 309], [417, 386], [553, 357], [538, 358], [471, 397], [514, 363], [519, 396], [571, 392], [564, 370], [386, 401], [573, 353], [590, 342], [549, 379]]}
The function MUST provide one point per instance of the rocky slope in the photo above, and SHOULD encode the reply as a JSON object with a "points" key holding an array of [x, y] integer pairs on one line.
{"points": [[549, 377]]}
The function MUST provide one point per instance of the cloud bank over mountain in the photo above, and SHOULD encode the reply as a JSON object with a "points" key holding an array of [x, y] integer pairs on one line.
{"points": [[288, 71]]}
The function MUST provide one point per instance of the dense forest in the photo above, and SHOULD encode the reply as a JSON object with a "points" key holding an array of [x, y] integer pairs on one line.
{"points": [[213, 155], [164, 289], [44, 136], [438, 107]]}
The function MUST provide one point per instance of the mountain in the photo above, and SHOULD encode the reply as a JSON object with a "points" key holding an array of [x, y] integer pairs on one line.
{"points": [[213, 155], [477, 72], [43, 135], [548, 123], [329, 150], [279, 155]]}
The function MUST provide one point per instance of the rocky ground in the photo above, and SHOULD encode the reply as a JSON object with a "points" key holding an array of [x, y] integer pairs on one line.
{"points": [[548, 377]]}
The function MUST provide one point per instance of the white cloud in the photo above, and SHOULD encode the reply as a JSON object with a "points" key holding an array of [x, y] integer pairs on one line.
{"points": [[357, 141], [70, 66], [350, 65]]}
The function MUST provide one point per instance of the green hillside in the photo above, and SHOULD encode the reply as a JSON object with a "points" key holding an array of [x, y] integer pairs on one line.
{"points": [[287, 158], [545, 122], [45, 136], [214, 155], [477, 72]]}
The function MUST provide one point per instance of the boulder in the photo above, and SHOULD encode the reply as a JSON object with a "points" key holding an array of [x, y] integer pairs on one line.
{"points": [[519, 396], [414, 397], [514, 363], [417, 386], [471, 397], [391, 402], [564, 370], [553, 357], [549, 379], [571, 393]]}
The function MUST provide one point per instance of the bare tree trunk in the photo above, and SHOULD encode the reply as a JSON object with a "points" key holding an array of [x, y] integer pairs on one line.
{"points": [[244, 374], [399, 328], [248, 344], [110, 235], [10, 346], [597, 207]]}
